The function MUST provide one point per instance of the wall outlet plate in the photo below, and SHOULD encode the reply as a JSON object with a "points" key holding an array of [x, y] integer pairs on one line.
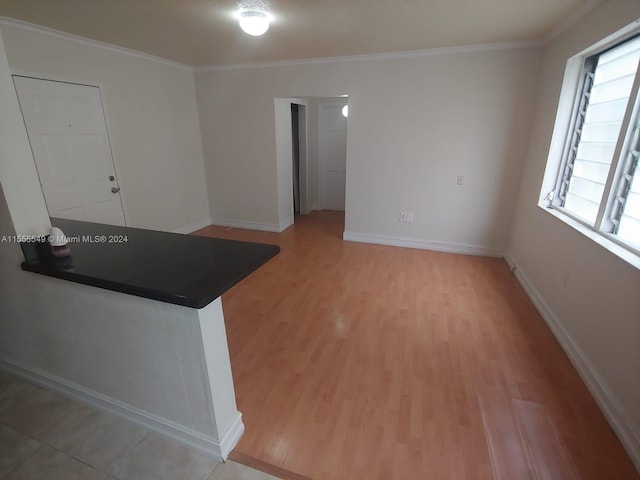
{"points": [[406, 217]]}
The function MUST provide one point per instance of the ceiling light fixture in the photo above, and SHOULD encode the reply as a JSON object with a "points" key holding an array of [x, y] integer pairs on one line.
{"points": [[254, 22], [345, 111]]}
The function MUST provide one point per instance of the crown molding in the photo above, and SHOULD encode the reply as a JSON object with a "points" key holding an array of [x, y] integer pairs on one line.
{"points": [[485, 47], [12, 22], [558, 30], [571, 20]]}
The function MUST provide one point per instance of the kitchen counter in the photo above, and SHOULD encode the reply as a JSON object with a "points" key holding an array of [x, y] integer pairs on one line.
{"points": [[181, 269]]}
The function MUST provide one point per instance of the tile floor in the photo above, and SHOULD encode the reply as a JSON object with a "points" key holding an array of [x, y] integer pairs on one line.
{"points": [[46, 436]]}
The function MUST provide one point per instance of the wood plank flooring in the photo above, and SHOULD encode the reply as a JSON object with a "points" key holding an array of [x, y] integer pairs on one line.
{"points": [[356, 361]]}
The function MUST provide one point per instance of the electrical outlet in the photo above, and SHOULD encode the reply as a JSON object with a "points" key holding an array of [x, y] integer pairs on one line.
{"points": [[460, 180], [406, 217]]}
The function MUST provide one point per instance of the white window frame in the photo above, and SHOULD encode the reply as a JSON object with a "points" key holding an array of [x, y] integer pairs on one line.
{"points": [[562, 142]]}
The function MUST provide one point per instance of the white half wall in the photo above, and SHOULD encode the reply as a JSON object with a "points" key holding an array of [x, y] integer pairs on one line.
{"points": [[590, 297], [162, 366], [152, 119], [415, 124]]}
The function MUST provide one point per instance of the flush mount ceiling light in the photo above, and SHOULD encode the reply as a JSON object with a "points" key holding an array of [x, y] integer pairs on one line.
{"points": [[345, 111], [254, 22]]}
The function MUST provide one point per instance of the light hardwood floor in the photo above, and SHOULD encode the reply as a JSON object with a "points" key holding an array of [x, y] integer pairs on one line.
{"points": [[356, 361]]}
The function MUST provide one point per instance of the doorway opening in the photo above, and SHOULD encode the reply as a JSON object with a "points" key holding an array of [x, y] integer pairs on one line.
{"points": [[299, 157], [311, 145], [332, 154]]}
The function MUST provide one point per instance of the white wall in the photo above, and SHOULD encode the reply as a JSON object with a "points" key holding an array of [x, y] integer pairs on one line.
{"points": [[17, 169], [590, 296], [415, 124], [284, 161], [312, 158], [152, 118]]}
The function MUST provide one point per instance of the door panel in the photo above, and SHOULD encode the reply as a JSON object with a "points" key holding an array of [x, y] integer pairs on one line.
{"points": [[332, 143], [68, 135]]}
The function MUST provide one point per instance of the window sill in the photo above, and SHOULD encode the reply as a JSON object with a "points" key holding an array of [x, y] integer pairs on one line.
{"points": [[619, 251]]}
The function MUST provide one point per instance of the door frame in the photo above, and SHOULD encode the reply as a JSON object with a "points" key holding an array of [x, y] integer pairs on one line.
{"points": [[321, 151], [284, 160], [100, 87], [303, 180]]}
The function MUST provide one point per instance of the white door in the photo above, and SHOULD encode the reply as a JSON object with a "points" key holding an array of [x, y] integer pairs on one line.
{"points": [[332, 155], [68, 135]]}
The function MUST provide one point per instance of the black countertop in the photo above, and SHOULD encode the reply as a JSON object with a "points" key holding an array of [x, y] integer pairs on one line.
{"points": [[182, 269]]}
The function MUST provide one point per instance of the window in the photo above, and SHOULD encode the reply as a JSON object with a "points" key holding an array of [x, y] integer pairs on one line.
{"points": [[598, 182]]}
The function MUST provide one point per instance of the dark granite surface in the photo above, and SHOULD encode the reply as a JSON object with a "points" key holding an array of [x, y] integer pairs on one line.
{"points": [[181, 269]]}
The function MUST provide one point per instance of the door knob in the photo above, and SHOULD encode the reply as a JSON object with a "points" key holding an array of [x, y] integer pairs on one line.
{"points": [[114, 190]]}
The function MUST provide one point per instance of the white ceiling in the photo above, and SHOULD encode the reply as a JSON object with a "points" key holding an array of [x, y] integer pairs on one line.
{"points": [[205, 32]]}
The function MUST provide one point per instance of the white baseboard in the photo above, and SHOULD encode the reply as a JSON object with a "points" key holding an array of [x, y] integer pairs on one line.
{"points": [[263, 227], [284, 225], [199, 442], [205, 222], [615, 414], [232, 437], [408, 242]]}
